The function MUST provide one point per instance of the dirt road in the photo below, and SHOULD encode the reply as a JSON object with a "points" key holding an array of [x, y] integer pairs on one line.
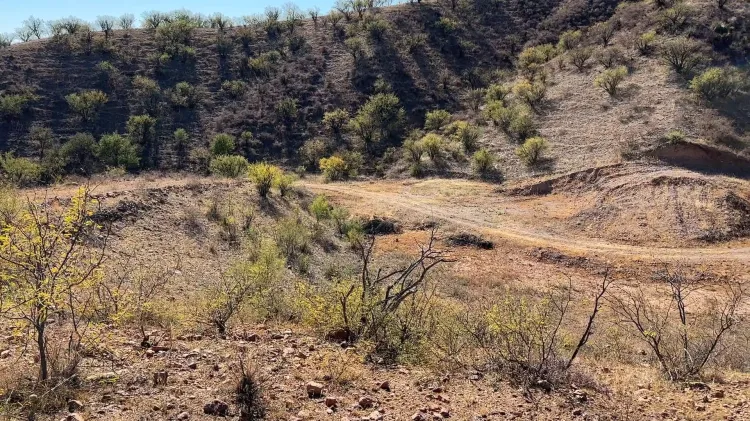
{"points": [[473, 206]]}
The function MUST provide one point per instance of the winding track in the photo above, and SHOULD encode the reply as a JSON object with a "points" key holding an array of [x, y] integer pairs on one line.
{"points": [[459, 213]]}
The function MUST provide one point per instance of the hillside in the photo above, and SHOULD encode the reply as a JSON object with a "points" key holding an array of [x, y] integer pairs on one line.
{"points": [[408, 47]]}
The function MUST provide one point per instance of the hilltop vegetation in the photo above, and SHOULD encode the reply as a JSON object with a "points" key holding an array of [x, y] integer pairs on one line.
{"points": [[297, 86]]}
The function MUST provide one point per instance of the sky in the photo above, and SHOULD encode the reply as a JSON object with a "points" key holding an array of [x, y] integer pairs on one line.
{"points": [[14, 12]]}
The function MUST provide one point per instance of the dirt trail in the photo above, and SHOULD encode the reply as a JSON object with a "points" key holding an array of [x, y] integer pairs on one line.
{"points": [[463, 212]]}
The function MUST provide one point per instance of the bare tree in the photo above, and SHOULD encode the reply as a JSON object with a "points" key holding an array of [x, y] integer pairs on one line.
{"points": [[36, 26], [126, 21], [314, 13], [107, 24], [6, 40], [682, 341], [23, 34]]}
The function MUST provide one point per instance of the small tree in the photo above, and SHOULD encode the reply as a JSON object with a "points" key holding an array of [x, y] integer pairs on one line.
{"points": [[356, 47], [79, 154], [106, 24], [115, 150], [48, 268], [184, 95], [380, 119], [683, 54], [580, 57], [335, 121], [230, 166], [263, 175], [126, 21], [35, 26], [222, 144], [433, 145], [532, 93], [148, 93], [644, 43], [87, 104], [569, 40], [532, 149], [483, 162], [466, 134], [141, 130], [610, 79], [42, 139], [436, 120], [603, 32]]}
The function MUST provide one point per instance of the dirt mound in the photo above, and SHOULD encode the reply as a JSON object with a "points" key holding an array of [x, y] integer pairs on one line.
{"points": [[704, 158], [575, 181], [470, 240]]}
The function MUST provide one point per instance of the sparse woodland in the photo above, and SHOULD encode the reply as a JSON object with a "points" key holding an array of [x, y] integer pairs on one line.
{"points": [[237, 292]]}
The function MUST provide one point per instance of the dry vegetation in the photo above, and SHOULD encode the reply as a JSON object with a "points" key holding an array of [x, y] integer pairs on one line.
{"points": [[605, 279]]}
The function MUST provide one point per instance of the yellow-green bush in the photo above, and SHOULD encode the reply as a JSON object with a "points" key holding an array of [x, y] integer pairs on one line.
{"points": [[436, 120], [483, 162], [20, 171], [532, 149], [532, 93], [717, 83], [263, 175], [610, 79], [231, 166]]}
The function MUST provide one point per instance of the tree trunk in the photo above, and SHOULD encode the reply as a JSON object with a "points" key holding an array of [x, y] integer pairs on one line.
{"points": [[42, 346]]}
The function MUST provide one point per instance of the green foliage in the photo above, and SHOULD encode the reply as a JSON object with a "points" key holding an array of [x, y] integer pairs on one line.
{"points": [[230, 166], [718, 83], [532, 93], [413, 148], [446, 26], [436, 120], [433, 145], [222, 144], [265, 64], [263, 175], [532, 149], [292, 237], [603, 32], [674, 137], [42, 140], [181, 145], [645, 42], [284, 182], [483, 162], [335, 121], [497, 92], [610, 57], [377, 28], [682, 54], [141, 130], [516, 121], [87, 104], [381, 119], [115, 150], [569, 40], [287, 110], [676, 17], [532, 59], [312, 151], [13, 106], [184, 95], [320, 208], [79, 154], [464, 133], [147, 92], [357, 47], [234, 88], [342, 166], [21, 172], [610, 79]]}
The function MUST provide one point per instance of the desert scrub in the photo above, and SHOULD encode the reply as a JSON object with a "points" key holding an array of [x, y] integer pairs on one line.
{"points": [[222, 144], [483, 162], [531, 150], [464, 133], [610, 79], [436, 120], [21, 172], [87, 104], [263, 175], [230, 166], [717, 83], [342, 166]]}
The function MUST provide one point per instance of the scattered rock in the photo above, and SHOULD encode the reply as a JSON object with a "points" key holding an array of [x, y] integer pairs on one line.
{"points": [[544, 385], [719, 394], [193, 365], [375, 416], [338, 335], [314, 389], [445, 413], [366, 402], [216, 408], [5, 354], [580, 395], [386, 385], [417, 417], [74, 405], [331, 402], [698, 386], [183, 416], [74, 417], [577, 412]]}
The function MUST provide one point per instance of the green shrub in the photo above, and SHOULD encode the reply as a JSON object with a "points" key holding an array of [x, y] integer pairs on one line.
{"points": [[717, 83], [446, 25], [610, 57], [644, 43], [569, 40], [335, 121], [413, 148], [263, 175], [356, 47], [320, 208], [532, 59], [436, 120], [433, 145], [42, 140], [342, 166], [264, 64], [603, 32], [184, 95], [483, 162], [147, 92], [115, 150], [532, 93], [181, 145], [580, 57], [497, 92], [222, 144], [287, 110], [682, 54], [292, 237], [79, 154], [21, 172], [515, 121], [141, 130], [465, 133], [285, 182], [674, 137], [234, 88], [312, 151], [380, 119], [610, 79], [676, 16], [87, 104], [377, 29], [532, 149], [13, 106], [230, 166]]}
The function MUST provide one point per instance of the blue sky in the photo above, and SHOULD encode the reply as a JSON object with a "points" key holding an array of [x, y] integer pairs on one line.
{"points": [[16, 11]]}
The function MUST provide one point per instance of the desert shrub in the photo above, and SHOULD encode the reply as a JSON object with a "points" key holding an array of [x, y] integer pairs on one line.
{"points": [[126, 21], [248, 395], [610, 57], [6, 40], [475, 98], [532, 59], [434, 146], [230, 166], [532, 149], [497, 92], [603, 32], [312, 151], [21, 172], [108, 70], [644, 43], [483, 162], [292, 237], [14, 106], [717, 83], [674, 137], [115, 150], [320, 208], [42, 140], [200, 159], [377, 28], [174, 35], [147, 92], [222, 144], [335, 121], [285, 182], [569, 40], [610, 79], [265, 64], [263, 176], [234, 88], [357, 48], [87, 104], [413, 148], [682, 54], [141, 130], [380, 119], [342, 166], [184, 95], [286, 110], [79, 154], [580, 57], [446, 25], [532, 93], [465, 133], [675, 17], [436, 120], [683, 333]]}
